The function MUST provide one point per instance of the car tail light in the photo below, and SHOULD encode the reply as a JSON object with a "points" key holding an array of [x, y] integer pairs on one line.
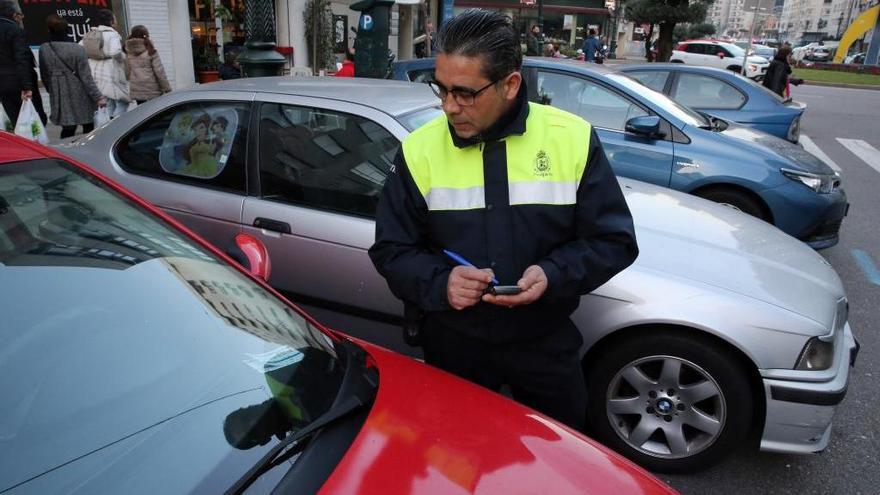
{"points": [[794, 130]]}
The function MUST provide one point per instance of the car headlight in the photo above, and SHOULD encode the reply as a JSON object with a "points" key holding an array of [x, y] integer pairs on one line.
{"points": [[794, 130], [817, 355], [753, 68], [822, 184]]}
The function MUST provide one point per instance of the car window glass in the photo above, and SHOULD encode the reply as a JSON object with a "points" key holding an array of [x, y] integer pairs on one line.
{"points": [[699, 91], [653, 79], [323, 159], [597, 105], [421, 75], [201, 143], [696, 48]]}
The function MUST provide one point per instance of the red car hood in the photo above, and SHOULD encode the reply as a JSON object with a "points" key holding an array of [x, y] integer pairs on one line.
{"points": [[430, 433]]}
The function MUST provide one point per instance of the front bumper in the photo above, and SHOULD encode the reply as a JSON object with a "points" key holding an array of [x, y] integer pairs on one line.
{"points": [[813, 218], [801, 404]]}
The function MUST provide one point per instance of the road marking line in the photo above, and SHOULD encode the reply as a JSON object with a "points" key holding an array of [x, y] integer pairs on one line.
{"points": [[863, 259], [814, 150], [863, 150]]}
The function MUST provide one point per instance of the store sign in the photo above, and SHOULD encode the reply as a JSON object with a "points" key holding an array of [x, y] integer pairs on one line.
{"points": [[79, 14]]}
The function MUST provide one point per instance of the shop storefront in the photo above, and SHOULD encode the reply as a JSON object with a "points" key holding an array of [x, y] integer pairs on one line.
{"points": [[566, 22], [77, 13]]}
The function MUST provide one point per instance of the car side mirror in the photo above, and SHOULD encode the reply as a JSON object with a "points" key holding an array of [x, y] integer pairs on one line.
{"points": [[720, 54], [252, 255], [645, 125]]}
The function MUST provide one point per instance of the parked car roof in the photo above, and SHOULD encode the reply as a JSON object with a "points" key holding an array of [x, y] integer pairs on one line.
{"points": [[391, 97]]}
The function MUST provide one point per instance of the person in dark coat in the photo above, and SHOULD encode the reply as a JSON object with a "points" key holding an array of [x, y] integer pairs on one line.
{"points": [[533, 41], [230, 68], [592, 47], [779, 73], [500, 191], [16, 60], [65, 71]]}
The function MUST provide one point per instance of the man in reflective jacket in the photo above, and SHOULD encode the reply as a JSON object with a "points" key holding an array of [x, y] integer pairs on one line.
{"points": [[522, 191]]}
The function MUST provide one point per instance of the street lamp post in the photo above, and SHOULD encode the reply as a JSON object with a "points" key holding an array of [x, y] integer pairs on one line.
{"points": [[259, 58]]}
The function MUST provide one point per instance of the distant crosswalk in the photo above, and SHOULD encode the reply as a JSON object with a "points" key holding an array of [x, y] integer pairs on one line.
{"points": [[858, 147]]}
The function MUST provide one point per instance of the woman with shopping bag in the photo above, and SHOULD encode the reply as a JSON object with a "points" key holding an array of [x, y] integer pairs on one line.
{"points": [[15, 60], [64, 69], [103, 46]]}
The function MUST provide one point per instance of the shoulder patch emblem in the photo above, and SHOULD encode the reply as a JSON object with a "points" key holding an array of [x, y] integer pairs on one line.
{"points": [[542, 164]]}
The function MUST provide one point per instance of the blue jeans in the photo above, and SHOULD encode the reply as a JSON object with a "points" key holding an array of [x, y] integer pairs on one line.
{"points": [[116, 107]]}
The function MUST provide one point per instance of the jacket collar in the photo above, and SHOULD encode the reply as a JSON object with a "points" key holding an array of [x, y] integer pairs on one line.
{"points": [[513, 122]]}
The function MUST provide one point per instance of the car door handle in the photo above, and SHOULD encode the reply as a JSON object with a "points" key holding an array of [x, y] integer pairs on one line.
{"points": [[273, 225]]}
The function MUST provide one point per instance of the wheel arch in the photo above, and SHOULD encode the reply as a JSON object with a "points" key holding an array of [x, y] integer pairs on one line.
{"points": [[754, 377], [765, 208]]}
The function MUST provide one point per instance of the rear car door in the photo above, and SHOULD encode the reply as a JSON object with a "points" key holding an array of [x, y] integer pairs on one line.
{"points": [[190, 160], [607, 111], [321, 167]]}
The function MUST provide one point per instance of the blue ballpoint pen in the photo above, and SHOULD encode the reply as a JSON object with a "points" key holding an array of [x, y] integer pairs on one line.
{"points": [[461, 261]]}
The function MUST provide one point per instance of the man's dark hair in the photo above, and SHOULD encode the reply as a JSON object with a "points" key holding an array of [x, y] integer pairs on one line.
{"points": [[486, 34], [8, 8], [57, 25], [105, 17]]}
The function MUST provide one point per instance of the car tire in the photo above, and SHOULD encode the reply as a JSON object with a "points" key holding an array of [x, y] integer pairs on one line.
{"points": [[677, 61], [735, 68], [736, 200], [667, 421]]}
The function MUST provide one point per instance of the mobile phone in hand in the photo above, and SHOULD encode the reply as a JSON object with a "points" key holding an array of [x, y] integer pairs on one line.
{"points": [[504, 290]]}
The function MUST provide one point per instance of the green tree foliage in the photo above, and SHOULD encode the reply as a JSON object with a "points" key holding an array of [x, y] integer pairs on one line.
{"points": [[692, 31], [319, 34], [666, 14]]}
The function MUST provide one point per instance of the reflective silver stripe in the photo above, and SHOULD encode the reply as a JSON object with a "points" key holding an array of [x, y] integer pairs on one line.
{"points": [[543, 193], [447, 198]]}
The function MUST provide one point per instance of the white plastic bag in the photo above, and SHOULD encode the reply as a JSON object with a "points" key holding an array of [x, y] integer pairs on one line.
{"points": [[5, 123], [29, 124], [102, 116]]}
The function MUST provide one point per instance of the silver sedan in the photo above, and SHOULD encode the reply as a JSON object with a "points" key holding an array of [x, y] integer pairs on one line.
{"points": [[722, 328]]}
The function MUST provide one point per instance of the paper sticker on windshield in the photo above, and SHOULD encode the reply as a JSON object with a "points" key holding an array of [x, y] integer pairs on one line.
{"points": [[198, 142], [274, 359]]}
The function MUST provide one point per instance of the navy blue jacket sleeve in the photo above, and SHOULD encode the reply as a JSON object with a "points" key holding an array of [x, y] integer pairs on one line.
{"points": [[402, 253], [604, 242]]}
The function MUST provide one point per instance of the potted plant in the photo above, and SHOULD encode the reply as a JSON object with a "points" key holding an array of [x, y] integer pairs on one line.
{"points": [[208, 65]]}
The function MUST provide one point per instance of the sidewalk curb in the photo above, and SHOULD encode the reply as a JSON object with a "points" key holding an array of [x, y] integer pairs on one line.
{"points": [[875, 87]]}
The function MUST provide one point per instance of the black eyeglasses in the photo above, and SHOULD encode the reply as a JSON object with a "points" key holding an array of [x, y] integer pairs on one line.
{"points": [[462, 96]]}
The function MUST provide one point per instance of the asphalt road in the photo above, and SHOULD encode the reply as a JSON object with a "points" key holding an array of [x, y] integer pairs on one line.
{"points": [[851, 464]]}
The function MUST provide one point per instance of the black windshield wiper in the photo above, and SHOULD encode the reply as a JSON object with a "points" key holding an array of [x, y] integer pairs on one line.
{"points": [[357, 391]]}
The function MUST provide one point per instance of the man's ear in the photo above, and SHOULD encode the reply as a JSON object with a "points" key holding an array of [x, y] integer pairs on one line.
{"points": [[511, 85]]}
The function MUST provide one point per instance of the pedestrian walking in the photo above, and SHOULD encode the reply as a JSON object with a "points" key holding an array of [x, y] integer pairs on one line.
{"points": [[592, 46], [65, 71], [506, 196], [103, 45], [778, 75], [16, 60], [347, 69], [533, 41], [146, 78]]}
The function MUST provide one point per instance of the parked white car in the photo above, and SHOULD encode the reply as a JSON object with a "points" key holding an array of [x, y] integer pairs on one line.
{"points": [[720, 55]]}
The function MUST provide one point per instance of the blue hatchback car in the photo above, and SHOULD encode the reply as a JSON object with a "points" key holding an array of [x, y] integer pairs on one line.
{"points": [[649, 137], [724, 94]]}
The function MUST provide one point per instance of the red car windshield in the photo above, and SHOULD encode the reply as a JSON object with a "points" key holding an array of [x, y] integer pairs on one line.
{"points": [[134, 360]]}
